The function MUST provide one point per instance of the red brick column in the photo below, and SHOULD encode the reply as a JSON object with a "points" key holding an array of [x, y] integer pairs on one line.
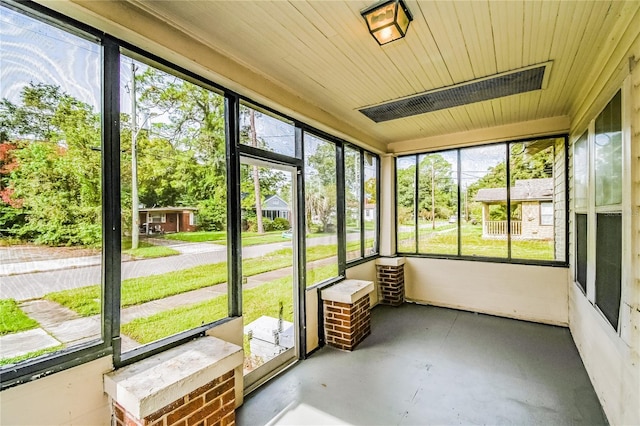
{"points": [[390, 275], [347, 318], [193, 384], [346, 325], [211, 404]]}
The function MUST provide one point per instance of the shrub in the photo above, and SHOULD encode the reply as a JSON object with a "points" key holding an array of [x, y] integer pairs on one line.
{"points": [[281, 224]]}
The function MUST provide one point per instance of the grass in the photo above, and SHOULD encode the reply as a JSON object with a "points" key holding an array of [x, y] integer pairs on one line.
{"points": [[13, 320], [86, 300], [472, 244], [29, 355], [148, 251], [258, 301], [220, 237]]}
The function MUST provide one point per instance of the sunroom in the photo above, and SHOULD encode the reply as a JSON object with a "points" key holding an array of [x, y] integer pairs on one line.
{"points": [[467, 191]]}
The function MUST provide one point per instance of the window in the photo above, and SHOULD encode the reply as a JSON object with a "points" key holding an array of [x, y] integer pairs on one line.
{"points": [[405, 204], [353, 202], [438, 203], [370, 204], [50, 193], [265, 130], [597, 177], [608, 207], [321, 209], [546, 213], [159, 180], [157, 217], [458, 203], [173, 154]]}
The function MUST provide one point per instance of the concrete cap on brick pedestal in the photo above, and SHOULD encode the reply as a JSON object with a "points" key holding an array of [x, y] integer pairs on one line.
{"points": [[347, 291], [145, 387], [390, 261]]}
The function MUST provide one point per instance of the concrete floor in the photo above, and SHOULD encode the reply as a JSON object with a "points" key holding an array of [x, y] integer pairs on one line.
{"points": [[426, 365]]}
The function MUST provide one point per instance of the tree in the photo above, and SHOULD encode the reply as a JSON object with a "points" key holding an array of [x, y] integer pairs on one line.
{"points": [[320, 186], [54, 179], [183, 161], [437, 196]]}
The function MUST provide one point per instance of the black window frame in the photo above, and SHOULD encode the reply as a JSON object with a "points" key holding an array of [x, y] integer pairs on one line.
{"points": [[564, 263], [109, 345]]}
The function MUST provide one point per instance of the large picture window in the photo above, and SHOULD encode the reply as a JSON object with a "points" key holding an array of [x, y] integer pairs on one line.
{"points": [[457, 203], [50, 189], [173, 165], [321, 209]]}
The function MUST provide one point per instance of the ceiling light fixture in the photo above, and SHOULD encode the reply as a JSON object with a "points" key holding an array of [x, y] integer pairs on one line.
{"points": [[387, 20]]}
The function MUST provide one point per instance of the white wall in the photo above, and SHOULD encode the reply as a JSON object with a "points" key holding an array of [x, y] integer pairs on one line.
{"points": [[611, 358], [365, 271], [532, 293], [70, 397]]}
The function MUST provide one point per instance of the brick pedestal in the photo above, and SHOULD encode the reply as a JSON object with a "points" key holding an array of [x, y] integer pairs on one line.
{"points": [[193, 384], [211, 404], [347, 318], [390, 275]]}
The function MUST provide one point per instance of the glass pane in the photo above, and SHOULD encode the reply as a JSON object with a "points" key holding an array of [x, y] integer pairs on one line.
{"points": [[483, 185], [50, 189], [266, 131], [370, 204], [267, 265], [581, 251], [438, 203], [320, 209], [609, 265], [405, 207], [581, 172], [173, 174], [534, 190], [352, 202], [608, 154]]}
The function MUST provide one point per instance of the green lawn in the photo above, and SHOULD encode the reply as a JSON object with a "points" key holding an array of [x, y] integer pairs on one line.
{"points": [[443, 241], [86, 300], [30, 355], [220, 237], [13, 319], [258, 301], [147, 251]]}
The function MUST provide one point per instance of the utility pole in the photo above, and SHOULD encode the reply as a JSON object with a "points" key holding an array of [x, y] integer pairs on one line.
{"points": [[433, 195], [135, 219], [256, 175]]}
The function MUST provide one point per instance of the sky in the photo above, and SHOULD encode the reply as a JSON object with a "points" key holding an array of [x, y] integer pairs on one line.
{"points": [[31, 51]]}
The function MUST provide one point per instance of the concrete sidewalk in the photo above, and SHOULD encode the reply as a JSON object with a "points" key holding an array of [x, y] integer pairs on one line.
{"points": [[62, 326]]}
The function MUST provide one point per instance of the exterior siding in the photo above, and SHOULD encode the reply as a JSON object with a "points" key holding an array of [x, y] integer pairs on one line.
{"points": [[559, 200]]}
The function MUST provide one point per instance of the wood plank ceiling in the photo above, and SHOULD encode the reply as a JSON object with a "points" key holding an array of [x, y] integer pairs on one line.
{"points": [[322, 51]]}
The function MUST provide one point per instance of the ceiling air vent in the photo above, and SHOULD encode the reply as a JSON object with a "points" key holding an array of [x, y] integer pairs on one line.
{"points": [[496, 86]]}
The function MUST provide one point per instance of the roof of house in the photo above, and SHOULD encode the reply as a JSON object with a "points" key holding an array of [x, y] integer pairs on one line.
{"points": [[167, 209], [524, 190], [274, 202]]}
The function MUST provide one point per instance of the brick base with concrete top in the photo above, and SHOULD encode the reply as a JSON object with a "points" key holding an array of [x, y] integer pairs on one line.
{"points": [[193, 384], [390, 275], [347, 319]]}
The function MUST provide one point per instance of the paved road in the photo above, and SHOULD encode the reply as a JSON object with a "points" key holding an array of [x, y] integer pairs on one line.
{"points": [[35, 285]]}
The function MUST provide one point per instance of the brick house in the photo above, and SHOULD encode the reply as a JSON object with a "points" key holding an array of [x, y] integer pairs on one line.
{"points": [[167, 219]]}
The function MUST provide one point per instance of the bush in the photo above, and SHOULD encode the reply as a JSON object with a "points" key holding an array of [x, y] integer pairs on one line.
{"points": [[281, 224]]}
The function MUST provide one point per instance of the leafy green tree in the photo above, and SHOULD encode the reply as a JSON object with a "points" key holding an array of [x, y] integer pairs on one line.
{"points": [[182, 162], [320, 187], [55, 180], [437, 196]]}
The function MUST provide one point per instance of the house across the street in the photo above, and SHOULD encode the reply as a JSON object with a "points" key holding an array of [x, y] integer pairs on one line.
{"points": [[167, 219], [533, 214]]}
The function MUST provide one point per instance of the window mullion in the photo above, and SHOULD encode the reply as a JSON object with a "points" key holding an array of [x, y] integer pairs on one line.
{"points": [[111, 228]]}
